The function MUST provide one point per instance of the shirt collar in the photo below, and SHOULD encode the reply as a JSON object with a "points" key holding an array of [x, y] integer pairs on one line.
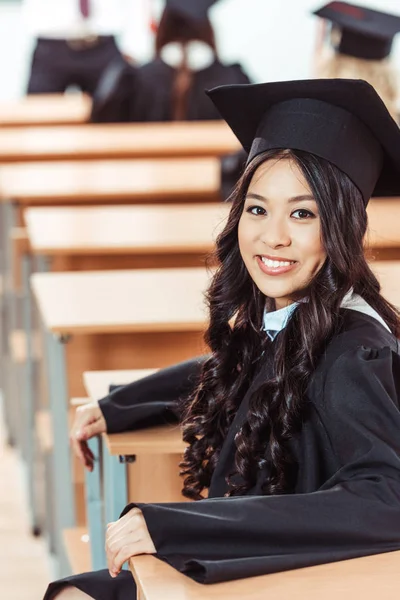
{"points": [[275, 321]]}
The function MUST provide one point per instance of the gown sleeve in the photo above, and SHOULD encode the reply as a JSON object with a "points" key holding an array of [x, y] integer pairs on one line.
{"points": [[152, 400], [356, 512]]}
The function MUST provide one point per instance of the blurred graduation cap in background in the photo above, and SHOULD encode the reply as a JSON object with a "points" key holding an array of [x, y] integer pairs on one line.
{"points": [[195, 10], [365, 33]]}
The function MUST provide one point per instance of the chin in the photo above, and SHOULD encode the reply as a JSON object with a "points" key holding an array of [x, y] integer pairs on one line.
{"points": [[275, 292]]}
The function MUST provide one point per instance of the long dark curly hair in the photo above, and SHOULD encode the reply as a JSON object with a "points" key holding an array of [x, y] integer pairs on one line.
{"points": [[235, 337]]}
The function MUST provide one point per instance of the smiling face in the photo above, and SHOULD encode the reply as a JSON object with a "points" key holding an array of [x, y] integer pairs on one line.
{"points": [[280, 232]]}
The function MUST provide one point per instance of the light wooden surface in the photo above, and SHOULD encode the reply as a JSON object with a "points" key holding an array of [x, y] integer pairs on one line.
{"points": [[154, 476], [45, 109], [152, 440], [19, 247], [172, 228], [122, 301], [97, 382], [76, 542], [388, 274], [111, 181], [128, 140], [368, 578], [383, 222]]}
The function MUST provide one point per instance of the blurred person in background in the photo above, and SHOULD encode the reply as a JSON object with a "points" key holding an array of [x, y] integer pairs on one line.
{"points": [[75, 42], [170, 87], [360, 44]]}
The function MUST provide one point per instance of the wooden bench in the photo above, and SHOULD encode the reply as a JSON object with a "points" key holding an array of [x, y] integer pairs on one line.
{"points": [[86, 238], [149, 471], [110, 319], [45, 109], [128, 140], [76, 542], [110, 181], [383, 236], [368, 578]]}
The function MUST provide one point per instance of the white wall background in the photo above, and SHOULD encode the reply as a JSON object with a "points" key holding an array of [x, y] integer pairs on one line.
{"points": [[273, 39]]}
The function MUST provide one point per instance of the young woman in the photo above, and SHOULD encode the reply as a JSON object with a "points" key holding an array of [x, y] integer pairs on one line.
{"points": [[293, 428]]}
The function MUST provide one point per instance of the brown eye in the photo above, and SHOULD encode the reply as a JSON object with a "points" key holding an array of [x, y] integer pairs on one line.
{"points": [[256, 210], [303, 213]]}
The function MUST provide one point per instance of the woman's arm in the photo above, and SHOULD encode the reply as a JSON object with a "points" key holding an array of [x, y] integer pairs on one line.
{"points": [[355, 513], [153, 399]]}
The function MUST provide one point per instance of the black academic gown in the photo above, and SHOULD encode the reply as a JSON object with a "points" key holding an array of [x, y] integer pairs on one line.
{"points": [[346, 502], [143, 94], [154, 82]]}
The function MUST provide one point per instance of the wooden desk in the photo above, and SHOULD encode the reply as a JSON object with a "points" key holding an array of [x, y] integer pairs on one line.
{"points": [[383, 236], [107, 320], [85, 238], [107, 302], [45, 109], [128, 140], [111, 181], [153, 476], [368, 578], [156, 444]]}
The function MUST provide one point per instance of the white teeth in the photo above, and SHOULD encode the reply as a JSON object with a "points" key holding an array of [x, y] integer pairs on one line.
{"points": [[274, 264]]}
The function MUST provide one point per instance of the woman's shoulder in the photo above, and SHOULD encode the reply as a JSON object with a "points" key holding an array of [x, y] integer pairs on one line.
{"points": [[361, 342]]}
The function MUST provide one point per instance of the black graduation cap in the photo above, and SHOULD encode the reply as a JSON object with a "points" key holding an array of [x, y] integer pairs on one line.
{"points": [[365, 33], [341, 120], [196, 10]]}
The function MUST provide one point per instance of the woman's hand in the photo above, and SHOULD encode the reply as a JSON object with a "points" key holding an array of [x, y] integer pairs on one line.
{"points": [[127, 537], [88, 422]]}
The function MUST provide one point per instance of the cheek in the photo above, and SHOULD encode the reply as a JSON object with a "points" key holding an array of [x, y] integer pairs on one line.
{"points": [[313, 247], [243, 238]]}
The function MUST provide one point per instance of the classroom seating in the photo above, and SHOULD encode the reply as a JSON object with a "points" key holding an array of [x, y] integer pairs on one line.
{"points": [[128, 140], [368, 577], [130, 181], [109, 319], [45, 109], [141, 466]]}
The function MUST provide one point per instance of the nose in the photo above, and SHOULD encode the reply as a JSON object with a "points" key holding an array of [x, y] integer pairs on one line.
{"points": [[275, 233]]}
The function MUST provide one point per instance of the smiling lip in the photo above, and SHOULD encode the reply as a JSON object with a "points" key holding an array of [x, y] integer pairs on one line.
{"points": [[273, 269]]}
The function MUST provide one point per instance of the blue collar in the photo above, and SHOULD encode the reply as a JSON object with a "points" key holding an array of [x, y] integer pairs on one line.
{"points": [[275, 321]]}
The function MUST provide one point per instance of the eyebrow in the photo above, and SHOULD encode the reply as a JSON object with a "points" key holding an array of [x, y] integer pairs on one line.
{"points": [[300, 198]]}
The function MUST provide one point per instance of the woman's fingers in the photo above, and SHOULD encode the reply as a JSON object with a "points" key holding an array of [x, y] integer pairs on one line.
{"points": [[88, 422], [124, 554], [127, 537]]}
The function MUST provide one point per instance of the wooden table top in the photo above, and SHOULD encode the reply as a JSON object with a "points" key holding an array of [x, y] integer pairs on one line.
{"points": [[111, 181], [97, 382], [165, 439], [45, 109], [384, 222], [171, 228], [128, 140], [153, 300], [125, 301], [368, 578]]}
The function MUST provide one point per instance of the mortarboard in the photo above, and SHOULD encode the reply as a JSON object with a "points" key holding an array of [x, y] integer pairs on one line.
{"points": [[365, 33], [341, 120], [196, 10]]}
